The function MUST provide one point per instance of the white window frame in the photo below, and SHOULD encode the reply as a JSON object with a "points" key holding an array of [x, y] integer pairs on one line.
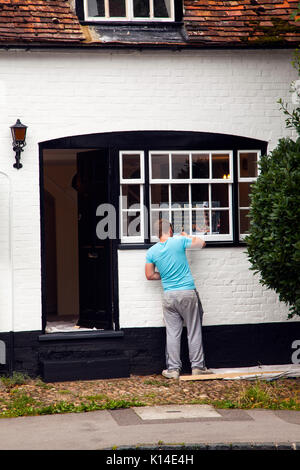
{"points": [[129, 13], [169, 181], [245, 180], [134, 181]]}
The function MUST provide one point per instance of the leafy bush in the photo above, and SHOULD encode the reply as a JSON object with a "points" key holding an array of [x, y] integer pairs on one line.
{"points": [[273, 245]]}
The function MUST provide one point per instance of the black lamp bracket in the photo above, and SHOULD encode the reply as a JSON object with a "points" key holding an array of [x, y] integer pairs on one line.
{"points": [[18, 149]]}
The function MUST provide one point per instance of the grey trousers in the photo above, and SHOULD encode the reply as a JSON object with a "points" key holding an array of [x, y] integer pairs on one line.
{"points": [[181, 306]]}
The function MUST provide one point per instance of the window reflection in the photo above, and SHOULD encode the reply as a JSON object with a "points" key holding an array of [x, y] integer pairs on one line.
{"points": [[200, 165], [200, 222], [96, 8], [180, 166], [117, 8], [220, 165], [160, 166], [180, 222], [162, 8], [131, 224], [160, 194], [141, 8], [200, 196], [131, 166], [244, 221], [180, 194], [248, 164], [219, 195], [220, 222], [132, 193], [244, 194]]}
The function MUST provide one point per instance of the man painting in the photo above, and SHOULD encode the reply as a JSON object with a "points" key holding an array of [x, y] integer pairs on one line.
{"points": [[180, 298]]}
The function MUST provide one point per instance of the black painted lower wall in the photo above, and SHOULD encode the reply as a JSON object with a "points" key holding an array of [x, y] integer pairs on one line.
{"points": [[225, 346], [142, 350]]}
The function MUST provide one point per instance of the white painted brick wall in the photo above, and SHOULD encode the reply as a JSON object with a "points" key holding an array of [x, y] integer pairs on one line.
{"points": [[63, 93], [230, 293]]}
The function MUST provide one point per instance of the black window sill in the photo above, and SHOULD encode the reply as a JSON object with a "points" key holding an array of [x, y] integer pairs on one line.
{"points": [[145, 246], [142, 32], [74, 335]]}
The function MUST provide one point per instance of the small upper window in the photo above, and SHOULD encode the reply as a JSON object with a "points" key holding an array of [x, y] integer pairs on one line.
{"points": [[129, 10]]}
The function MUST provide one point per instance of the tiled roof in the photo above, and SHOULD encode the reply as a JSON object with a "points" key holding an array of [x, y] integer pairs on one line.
{"points": [[40, 21], [205, 23], [241, 22]]}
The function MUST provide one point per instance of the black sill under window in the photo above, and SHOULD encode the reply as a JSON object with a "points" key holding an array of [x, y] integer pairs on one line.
{"points": [[142, 32], [211, 244]]}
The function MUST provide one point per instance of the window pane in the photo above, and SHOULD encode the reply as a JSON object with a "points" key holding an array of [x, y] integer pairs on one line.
{"points": [[141, 8], [180, 222], [96, 8], [162, 8], [220, 165], [200, 166], [219, 195], [160, 166], [180, 166], [132, 192], [200, 196], [200, 222], [131, 224], [131, 166], [180, 194], [117, 8], [220, 222], [244, 193], [244, 221], [160, 194], [248, 164]]}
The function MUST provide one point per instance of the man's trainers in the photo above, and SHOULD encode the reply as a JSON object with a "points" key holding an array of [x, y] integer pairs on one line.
{"points": [[171, 374], [203, 370]]}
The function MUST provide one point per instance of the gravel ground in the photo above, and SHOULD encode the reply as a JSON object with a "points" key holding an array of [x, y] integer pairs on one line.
{"points": [[150, 390]]}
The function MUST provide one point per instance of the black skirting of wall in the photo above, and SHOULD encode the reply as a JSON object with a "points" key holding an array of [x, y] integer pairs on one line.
{"points": [[225, 346], [142, 350]]}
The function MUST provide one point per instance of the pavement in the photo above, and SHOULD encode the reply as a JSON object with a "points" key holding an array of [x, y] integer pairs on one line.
{"points": [[169, 427], [161, 428]]}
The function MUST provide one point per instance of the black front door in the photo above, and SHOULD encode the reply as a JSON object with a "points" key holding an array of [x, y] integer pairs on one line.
{"points": [[95, 280]]}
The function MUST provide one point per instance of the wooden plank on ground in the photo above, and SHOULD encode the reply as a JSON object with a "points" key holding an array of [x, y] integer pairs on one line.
{"points": [[228, 375]]}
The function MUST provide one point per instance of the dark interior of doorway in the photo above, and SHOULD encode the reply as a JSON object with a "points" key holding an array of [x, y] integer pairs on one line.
{"points": [[89, 279]]}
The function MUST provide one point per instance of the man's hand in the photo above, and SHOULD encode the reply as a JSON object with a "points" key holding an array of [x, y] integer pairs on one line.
{"points": [[150, 272]]}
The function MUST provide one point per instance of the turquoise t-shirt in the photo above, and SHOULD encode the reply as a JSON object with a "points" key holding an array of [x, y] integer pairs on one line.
{"points": [[170, 259]]}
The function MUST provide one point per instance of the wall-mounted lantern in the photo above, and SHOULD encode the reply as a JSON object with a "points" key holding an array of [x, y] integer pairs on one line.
{"points": [[18, 132]]}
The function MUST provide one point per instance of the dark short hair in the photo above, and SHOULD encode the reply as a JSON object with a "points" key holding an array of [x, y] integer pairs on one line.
{"points": [[161, 226]]}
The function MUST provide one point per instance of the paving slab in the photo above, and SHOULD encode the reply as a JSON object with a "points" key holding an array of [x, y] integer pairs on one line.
{"points": [[168, 412]]}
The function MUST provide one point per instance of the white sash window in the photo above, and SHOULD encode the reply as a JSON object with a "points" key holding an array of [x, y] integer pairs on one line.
{"points": [[129, 10], [193, 191]]}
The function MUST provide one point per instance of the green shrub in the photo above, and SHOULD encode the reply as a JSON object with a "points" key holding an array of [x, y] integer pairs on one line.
{"points": [[273, 244]]}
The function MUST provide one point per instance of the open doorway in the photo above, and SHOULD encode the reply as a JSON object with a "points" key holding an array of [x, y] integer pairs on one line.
{"points": [[77, 265]]}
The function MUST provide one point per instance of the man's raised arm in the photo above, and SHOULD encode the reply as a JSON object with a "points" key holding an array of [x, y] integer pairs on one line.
{"points": [[197, 242]]}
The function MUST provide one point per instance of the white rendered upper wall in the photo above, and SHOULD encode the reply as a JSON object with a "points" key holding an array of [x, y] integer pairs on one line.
{"points": [[62, 93]]}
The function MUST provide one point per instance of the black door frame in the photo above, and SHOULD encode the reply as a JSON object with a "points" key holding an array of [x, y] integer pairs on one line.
{"points": [[113, 184]]}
